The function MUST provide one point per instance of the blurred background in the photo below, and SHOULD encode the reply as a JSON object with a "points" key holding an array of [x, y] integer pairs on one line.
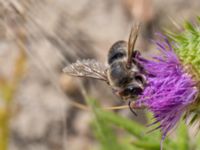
{"points": [[38, 38]]}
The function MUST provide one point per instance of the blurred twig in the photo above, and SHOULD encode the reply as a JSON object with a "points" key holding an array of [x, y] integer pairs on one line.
{"points": [[8, 88]]}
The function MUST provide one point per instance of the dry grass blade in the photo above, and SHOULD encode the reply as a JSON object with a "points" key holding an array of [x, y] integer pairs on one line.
{"points": [[85, 107]]}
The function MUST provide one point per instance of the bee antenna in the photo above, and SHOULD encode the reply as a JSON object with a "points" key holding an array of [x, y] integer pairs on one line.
{"points": [[132, 110]]}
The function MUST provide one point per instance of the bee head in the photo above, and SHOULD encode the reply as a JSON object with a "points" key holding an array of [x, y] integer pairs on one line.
{"points": [[131, 89]]}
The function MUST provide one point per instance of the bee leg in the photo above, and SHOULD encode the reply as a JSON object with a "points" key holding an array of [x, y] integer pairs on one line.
{"points": [[134, 106], [131, 108], [136, 54]]}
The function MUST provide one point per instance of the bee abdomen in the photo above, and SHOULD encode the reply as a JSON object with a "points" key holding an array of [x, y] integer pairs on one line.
{"points": [[117, 51]]}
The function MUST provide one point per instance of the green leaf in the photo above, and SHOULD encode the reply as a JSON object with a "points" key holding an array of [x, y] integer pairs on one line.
{"points": [[132, 127], [103, 130], [146, 145]]}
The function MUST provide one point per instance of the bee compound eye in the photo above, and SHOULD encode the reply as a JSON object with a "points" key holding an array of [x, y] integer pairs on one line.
{"points": [[133, 91], [137, 91], [139, 78], [127, 91]]}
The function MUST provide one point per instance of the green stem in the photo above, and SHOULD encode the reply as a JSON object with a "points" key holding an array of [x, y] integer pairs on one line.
{"points": [[4, 131], [183, 138]]}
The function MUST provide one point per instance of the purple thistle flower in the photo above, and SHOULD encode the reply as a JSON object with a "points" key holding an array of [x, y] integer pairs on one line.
{"points": [[170, 89]]}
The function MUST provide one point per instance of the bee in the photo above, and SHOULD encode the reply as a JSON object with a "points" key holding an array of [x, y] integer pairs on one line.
{"points": [[124, 74]]}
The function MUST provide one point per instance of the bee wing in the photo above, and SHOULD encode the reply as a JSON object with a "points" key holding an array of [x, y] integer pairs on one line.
{"points": [[131, 42], [87, 68]]}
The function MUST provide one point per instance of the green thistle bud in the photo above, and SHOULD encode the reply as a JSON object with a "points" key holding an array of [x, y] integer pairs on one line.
{"points": [[187, 45]]}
